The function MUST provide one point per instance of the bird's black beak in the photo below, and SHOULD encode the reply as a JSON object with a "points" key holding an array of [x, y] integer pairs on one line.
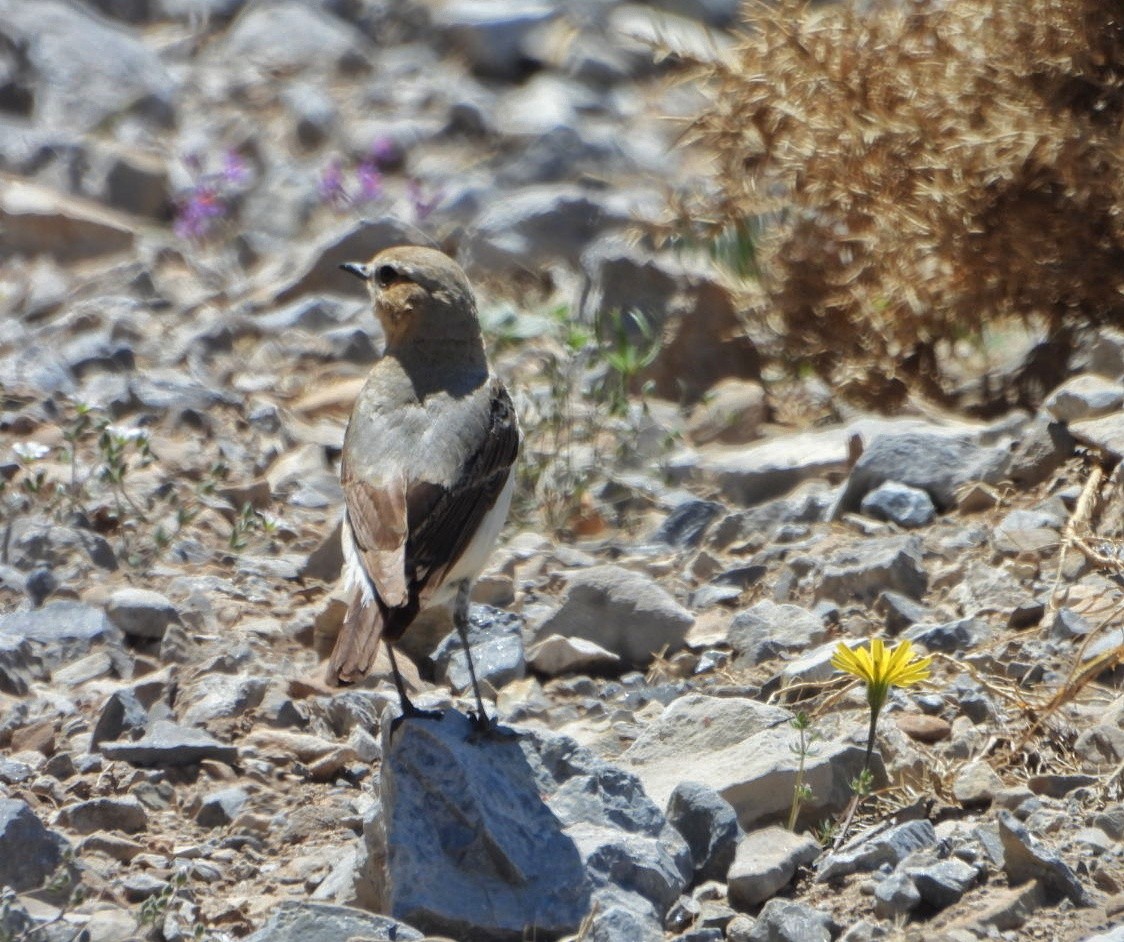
{"points": [[359, 271]]}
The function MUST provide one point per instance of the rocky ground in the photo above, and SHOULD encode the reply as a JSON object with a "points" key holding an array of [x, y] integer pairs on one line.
{"points": [[178, 356]]}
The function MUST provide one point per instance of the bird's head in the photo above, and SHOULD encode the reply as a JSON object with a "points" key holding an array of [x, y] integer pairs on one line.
{"points": [[418, 293]]}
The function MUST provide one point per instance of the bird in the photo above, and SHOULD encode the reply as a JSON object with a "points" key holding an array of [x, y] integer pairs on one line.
{"points": [[427, 467]]}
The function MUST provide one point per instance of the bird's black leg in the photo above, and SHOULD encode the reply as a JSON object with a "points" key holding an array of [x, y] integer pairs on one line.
{"points": [[460, 620], [404, 702]]}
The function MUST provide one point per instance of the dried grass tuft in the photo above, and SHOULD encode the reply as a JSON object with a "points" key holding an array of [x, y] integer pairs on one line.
{"points": [[926, 171]]}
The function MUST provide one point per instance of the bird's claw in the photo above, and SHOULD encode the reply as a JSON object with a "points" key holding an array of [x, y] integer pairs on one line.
{"points": [[486, 727]]}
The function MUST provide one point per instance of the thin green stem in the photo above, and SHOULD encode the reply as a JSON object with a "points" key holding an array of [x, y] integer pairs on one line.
{"points": [[870, 737]]}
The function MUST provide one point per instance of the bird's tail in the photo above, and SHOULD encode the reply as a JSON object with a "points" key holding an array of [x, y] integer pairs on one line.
{"points": [[358, 642]]}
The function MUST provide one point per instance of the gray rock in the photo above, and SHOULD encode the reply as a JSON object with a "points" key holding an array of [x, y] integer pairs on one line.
{"points": [[625, 612], [908, 507], [105, 814], [977, 783], [536, 226], [621, 915], [16, 921], [686, 525], [900, 611], [721, 13], [439, 860], [61, 632], [83, 70], [555, 655], [314, 39], [742, 749], [320, 273], [758, 473], [1105, 433], [740, 928], [695, 316], [1024, 859], [530, 826], [194, 11], [221, 807], [218, 696], [1069, 624], [935, 463], [167, 743], [959, 635], [20, 665], [130, 180], [1113, 935], [314, 114], [768, 631], [732, 413], [766, 861], [492, 34], [873, 849], [896, 896], [700, 935], [751, 529], [496, 639], [1087, 396], [122, 711], [943, 884], [13, 772], [299, 921], [1111, 821], [782, 920], [170, 390], [128, 11], [863, 931], [29, 853], [141, 613], [1043, 448], [1027, 531], [865, 569], [708, 824]]}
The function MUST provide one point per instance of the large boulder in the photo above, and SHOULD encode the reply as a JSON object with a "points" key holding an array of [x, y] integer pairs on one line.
{"points": [[693, 318], [623, 611], [81, 69], [486, 836]]}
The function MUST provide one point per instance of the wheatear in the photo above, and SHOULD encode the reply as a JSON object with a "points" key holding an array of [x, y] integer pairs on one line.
{"points": [[427, 466]]}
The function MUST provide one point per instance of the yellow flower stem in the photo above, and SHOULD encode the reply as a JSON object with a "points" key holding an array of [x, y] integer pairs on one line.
{"points": [[870, 737]]}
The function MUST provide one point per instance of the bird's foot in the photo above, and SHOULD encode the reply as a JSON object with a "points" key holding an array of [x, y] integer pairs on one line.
{"points": [[487, 728]]}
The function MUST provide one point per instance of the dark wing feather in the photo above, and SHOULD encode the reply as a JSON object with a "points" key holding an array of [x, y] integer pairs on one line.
{"points": [[440, 536]]}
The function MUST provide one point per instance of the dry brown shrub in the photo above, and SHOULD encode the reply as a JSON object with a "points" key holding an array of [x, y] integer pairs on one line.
{"points": [[927, 170]]}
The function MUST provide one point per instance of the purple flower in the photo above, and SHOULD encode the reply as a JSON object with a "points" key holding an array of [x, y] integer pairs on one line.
{"points": [[197, 213], [384, 151], [370, 182], [234, 168], [423, 205], [331, 185]]}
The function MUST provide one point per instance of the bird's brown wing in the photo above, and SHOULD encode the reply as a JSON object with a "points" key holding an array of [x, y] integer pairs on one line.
{"points": [[377, 514], [441, 532], [375, 525]]}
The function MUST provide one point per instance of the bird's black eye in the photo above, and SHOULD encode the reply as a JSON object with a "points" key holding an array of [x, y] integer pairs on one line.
{"points": [[386, 275]]}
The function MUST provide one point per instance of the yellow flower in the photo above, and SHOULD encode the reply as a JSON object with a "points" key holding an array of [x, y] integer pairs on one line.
{"points": [[882, 669]]}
